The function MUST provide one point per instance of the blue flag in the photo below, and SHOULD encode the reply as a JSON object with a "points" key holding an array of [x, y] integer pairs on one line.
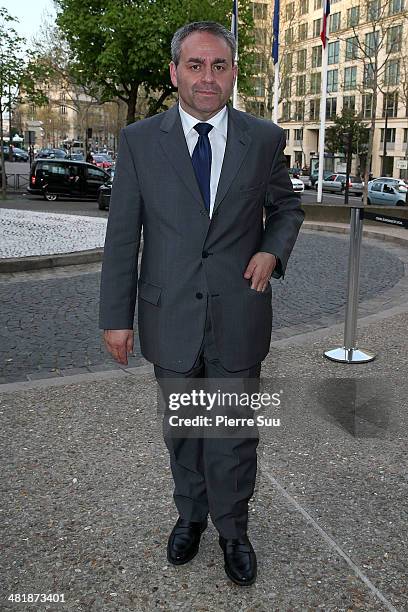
{"points": [[275, 44]]}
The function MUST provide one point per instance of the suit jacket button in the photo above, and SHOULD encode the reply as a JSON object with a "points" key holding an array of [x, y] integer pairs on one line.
{"points": [[205, 254], [199, 296]]}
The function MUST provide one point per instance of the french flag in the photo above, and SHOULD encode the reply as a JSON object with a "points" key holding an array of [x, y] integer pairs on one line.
{"points": [[326, 13], [234, 19], [275, 44]]}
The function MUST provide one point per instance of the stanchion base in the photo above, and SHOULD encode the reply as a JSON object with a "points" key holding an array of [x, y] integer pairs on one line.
{"points": [[343, 355]]}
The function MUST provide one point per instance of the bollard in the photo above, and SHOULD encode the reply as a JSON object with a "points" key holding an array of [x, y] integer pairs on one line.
{"points": [[349, 353]]}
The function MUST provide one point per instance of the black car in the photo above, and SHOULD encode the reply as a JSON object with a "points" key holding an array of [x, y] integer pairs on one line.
{"points": [[52, 178], [18, 154], [104, 192], [51, 153]]}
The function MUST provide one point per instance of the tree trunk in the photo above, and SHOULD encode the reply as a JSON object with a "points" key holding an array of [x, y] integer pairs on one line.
{"points": [[131, 104]]}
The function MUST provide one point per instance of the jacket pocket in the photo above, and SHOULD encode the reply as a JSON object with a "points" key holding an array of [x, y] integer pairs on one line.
{"points": [[150, 293]]}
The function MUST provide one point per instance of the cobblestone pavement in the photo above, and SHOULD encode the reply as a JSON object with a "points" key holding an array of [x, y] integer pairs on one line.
{"points": [[24, 233], [48, 319]]}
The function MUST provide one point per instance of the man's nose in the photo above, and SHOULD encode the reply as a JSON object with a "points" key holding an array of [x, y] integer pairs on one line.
{"points": [[208, 74]]}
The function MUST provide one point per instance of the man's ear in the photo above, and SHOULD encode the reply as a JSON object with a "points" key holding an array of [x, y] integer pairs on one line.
{"points": [[173, 73]]}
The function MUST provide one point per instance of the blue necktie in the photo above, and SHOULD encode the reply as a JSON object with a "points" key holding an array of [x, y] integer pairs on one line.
{"points": [[201, 159]]}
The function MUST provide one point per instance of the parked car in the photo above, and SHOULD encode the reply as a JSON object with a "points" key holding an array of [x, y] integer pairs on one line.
{"points": [[301, 175], [53, 178], [102, 161], [336, 183], [298, 185], [76, 156], [386, 193], [390, 180], [51, 154], [314, 177], [18, 154]]}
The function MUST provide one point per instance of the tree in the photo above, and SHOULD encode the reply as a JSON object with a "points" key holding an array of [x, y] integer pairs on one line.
{"points": [[20, 72], [348, 123], [120, 46]]}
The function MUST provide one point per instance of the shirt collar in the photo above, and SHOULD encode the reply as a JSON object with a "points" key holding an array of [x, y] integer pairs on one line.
{"points": [[219, 121]]}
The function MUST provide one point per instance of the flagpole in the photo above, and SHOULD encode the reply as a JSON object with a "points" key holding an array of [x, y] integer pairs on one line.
{"points": [[323, 98], [276, 93], [275, 56], [322, 122], [234, 30]]}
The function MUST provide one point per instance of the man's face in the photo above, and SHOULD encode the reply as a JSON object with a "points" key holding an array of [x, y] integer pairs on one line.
{"points": [[205, 74]]}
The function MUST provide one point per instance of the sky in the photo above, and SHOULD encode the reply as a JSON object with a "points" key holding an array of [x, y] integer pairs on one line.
{"points": [[30, 14]]}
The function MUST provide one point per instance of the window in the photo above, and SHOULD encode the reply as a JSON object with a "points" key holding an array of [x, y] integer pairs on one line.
{"points": [[352, 48], [259, 10], [396, 6], [332, 80], [301, 85], [290, 11], [299, 134], [258, 84], [376, 186], [394, 39], [287, 135], [316, 56], [317, 27], [303, 7], [286, 87], [260, 36], [63, 109], [300, 111], [315, 82], [331, 107], [288, 36], [349, 103], [390, 136], [286, 114], [287, 62], [303, 31], [301, 60], [374, 10], [392, 72], [390, 104], [95, 173], [333, 53], [334, 22], [314, 114], [371, 43], [53, 168], [405, 135], [350, 78], [259, 63], [367, 105], [368, 77], [353, 16], [318, 4]]}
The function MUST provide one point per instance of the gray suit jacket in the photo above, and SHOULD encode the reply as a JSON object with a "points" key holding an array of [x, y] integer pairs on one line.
{"points": [[187, 256]]}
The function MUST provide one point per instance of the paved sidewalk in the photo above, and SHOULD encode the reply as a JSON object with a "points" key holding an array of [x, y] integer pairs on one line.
{"points": [[88, 490]]}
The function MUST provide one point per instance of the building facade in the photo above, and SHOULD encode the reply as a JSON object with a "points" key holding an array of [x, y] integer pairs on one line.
{"points": [[367, 61]]}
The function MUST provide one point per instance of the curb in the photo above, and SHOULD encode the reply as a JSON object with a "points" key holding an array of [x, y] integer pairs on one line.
{"points": [[35, 262]]}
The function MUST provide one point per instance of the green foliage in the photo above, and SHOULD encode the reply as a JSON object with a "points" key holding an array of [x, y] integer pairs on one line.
{"points": [[118, 45], [346, 123]]}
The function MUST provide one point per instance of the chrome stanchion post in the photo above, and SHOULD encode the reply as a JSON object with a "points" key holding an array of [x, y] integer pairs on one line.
{"points": [[349, 353]]}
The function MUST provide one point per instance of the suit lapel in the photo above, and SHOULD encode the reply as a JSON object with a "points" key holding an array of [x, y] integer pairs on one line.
{"points": [[237, 146], [174, 145]]}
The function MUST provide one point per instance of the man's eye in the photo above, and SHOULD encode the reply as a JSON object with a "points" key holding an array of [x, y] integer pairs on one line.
{"points": [[195, 67], [219, 67]]}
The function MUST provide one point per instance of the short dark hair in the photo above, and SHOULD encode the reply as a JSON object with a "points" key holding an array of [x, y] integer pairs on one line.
{"points": [[201, 26]]}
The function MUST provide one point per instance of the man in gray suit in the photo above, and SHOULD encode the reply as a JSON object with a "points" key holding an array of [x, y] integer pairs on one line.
{"points": [[198, 178]]}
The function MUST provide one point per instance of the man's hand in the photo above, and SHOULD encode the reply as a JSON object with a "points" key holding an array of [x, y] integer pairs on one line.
{"points": [[260, 269], [119, 343]]}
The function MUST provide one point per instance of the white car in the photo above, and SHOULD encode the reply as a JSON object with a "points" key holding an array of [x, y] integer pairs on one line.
{"points": [[298, 185]]}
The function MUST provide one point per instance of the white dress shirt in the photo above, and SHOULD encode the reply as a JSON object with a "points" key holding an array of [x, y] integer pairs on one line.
{"points": [[217, 138]]}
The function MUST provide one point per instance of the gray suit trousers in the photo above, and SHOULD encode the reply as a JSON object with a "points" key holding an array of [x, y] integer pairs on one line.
{"points": [[213, 475]]}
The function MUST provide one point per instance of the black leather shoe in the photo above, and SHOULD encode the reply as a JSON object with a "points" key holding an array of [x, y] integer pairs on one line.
{"points": [[240, 560], [184, 541]]}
